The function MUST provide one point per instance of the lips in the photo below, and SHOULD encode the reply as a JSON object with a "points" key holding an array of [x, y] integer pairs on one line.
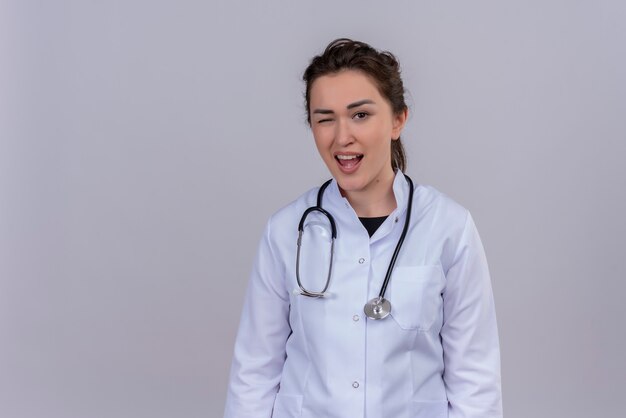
{"points": [[348, 163]]}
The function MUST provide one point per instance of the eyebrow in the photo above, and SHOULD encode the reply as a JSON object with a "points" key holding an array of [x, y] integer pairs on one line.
{"points": [[350, 106], [360, 103]]}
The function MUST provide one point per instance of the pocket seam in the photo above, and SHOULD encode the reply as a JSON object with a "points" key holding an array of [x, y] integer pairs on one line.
{"points": [[419, 282], [288, 405]]}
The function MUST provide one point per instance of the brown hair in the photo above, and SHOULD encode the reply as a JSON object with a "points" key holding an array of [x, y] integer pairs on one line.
{"points": [[384, 69]]}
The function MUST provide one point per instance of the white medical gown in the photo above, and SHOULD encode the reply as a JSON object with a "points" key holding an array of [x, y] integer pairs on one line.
{"points": [[437, 354]]}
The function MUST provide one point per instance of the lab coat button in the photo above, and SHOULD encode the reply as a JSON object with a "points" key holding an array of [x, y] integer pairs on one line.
{"points": [[355, 318], [361, 260], [355, 384]]}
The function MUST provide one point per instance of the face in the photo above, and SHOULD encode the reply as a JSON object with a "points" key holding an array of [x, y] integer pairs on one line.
{"points": [[353, 126]]}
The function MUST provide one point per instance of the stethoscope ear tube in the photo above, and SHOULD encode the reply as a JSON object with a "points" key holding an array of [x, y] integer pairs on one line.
{"points": [[304, 291], [333, 227]]}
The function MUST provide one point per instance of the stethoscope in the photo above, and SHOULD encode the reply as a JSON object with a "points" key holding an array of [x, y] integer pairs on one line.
{"points": [[379, 307]]}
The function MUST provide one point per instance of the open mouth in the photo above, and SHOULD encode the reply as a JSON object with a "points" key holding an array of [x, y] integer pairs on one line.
{"points": [[349, 162]]}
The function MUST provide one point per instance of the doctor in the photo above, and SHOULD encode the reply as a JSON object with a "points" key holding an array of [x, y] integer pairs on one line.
{"points": [[431, 350]]}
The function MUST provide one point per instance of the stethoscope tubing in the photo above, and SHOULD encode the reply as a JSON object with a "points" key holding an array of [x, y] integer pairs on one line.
{"points": [[405, 229], [318, 208]]}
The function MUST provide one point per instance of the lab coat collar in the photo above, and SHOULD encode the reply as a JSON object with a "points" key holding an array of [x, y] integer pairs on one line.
{"points": [[339, 204]]}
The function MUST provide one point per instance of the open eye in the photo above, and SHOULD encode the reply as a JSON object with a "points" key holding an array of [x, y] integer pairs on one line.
{"points": [[360, 115]]}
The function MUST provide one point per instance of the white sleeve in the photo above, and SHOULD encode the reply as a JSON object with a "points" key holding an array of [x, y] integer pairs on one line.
{"points": [[259, 352], [469, 334]]}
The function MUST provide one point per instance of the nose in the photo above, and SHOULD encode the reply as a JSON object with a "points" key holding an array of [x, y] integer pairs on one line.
{"points": [[343, 133]]}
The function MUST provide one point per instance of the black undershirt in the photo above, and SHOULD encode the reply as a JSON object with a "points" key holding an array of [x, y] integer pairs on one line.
{"points": [[372, 224]]}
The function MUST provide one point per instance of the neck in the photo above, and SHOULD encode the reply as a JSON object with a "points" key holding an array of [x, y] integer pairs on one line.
{"points": [[376, 200]]}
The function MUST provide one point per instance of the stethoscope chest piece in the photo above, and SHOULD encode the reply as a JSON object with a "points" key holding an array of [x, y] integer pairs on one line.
{"points": [[377, 308]]}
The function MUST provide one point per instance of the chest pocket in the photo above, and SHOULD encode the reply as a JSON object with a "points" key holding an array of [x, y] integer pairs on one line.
{"points": [[415, 296]]}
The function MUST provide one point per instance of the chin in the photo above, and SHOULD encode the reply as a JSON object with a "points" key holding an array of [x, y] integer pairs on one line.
{"points": [[350, 184]]}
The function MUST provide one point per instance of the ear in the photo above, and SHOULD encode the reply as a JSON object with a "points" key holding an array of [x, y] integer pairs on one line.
{"points": [[399, 120]]}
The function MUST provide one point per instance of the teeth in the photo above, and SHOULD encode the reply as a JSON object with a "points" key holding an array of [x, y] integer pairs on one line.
{"points": [[347, 157]]}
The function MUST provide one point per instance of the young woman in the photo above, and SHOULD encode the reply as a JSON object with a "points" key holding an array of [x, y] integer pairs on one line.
{"points": [[392, 318]]}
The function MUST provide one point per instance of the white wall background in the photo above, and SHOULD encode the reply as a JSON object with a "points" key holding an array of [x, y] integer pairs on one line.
{"points": [[143, 144]]}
